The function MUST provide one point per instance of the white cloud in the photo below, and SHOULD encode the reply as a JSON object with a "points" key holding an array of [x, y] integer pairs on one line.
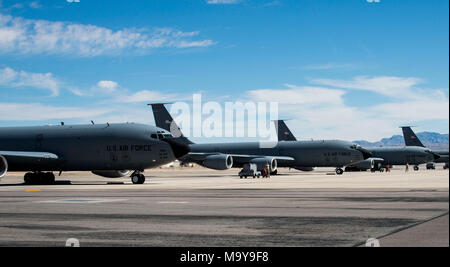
{"points": [[26, 36], [12, 78], [35, 5], [112, 91], [146, 96], [397, 87], [107, 86], [321, 112], [424, 109], [17, 6], [299, 95], [39, 112], [215, 2]]}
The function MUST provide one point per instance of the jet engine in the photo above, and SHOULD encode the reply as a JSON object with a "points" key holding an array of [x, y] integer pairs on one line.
{"points": [[112, 174], [366, 164], [261, 163], [3, 166], [218, 162]]}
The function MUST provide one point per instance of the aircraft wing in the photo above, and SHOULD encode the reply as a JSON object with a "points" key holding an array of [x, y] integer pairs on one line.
{"points": [[236, 157], [375, 160], [25, 156]]}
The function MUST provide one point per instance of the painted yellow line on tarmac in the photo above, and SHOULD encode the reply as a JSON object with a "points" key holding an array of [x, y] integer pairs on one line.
{"points": [[32, 190]]}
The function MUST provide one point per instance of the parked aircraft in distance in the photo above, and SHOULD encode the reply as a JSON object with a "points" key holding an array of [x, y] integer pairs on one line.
{"points": [[294, 154], [381, 156], [411, 139]]}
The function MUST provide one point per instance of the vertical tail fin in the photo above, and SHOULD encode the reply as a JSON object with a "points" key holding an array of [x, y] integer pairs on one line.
{"points": [[283, 132], [164, 120], [410, 137]]}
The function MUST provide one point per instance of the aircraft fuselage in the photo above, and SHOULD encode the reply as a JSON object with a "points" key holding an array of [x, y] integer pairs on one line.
{"points": [[126, 146]]}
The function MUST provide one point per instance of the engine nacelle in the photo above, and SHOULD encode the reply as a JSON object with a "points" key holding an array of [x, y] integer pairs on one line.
{"points": [[305, 169], [366, 164], [218, 162], [3, 166], [261, 163], [112, 174], [369, 164]]}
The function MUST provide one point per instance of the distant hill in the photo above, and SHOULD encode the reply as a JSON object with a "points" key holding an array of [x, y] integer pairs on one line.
{"points": [[429, 139]]}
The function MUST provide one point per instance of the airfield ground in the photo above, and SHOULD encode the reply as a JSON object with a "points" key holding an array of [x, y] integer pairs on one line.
{"points": [[201, 207]]}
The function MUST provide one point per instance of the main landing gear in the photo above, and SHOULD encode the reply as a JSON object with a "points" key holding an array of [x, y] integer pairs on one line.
{"points": [[339, 171], [416, 168], [39, 178], [137, 177]]}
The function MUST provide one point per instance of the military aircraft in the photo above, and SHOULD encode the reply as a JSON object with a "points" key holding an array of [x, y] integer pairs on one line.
{"points": [[108, 150], [295, 154], [411, 139], [381, 156]]}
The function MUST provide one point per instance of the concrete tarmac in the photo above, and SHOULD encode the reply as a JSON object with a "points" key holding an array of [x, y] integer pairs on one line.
{"points": [[200, 207]]}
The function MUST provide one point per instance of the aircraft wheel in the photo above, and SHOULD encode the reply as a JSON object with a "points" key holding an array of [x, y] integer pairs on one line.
{"points": [[339, 171], [28, 178], [138, 179], [416, 168], [48, 178]]}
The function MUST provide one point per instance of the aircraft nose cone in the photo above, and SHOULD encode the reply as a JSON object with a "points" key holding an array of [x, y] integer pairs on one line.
{"points": [[179, 149], [365, 152]]}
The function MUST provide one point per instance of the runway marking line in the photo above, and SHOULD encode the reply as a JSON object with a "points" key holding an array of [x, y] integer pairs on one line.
{"points": [[406, 227], [82, 201], [173, 202], [32, 190]]}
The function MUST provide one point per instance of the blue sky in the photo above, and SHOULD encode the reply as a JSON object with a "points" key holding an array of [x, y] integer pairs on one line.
{"points": [[365, 68]]}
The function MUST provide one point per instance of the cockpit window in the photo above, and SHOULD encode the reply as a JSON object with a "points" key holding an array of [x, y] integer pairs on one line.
{"points": [[161, 135]]}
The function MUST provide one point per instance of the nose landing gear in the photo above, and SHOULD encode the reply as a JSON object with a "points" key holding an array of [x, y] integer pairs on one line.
{"points": [[137, 177]]}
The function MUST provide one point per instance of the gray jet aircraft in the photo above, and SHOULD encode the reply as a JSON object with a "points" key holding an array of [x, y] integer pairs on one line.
{"points": [[108, 150], [381, 156], [295, 154], [411, 139]]}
